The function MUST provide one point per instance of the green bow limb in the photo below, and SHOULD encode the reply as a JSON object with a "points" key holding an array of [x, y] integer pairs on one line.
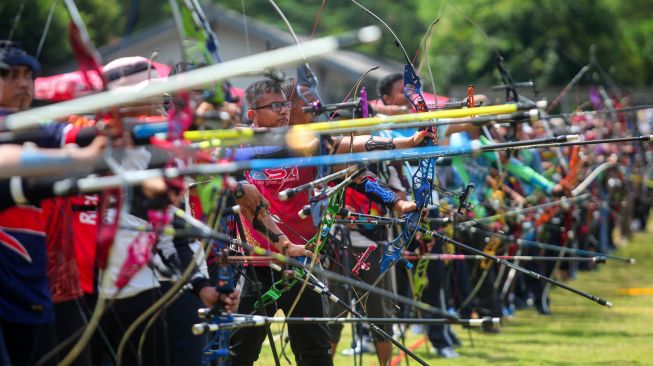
{"points": [[315, 245]]}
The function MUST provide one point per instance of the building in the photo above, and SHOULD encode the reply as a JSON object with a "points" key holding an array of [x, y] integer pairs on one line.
{"points": [[239, 37]]}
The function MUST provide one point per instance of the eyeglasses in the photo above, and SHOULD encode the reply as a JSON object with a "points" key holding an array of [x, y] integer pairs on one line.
{"points": [[275, 106]]}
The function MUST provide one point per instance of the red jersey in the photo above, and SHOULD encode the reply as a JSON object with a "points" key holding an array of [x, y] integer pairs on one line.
{"points": [[63, 274], [272, 181], [84, 221]]}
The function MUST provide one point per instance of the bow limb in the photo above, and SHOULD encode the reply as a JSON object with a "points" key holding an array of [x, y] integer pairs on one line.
{"points": [[199, 43], [591, 177], [85, 53], [316, 243], [185, 275], [426, 40], [89, 59], [305, 75], [424, 174], [163, 299], [394, 35], [179, 120]]}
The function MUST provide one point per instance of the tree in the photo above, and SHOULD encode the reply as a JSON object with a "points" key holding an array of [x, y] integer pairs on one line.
{"points": [[547, 41], [342, 15], [635, 61], [103, 20]]}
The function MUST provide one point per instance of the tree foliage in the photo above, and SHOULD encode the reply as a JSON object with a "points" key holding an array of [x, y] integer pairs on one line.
{"points": [[103, 20], [106, 22], [547, 41], [339, 16]]}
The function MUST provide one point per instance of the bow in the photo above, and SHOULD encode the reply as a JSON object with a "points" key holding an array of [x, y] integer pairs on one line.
{"points": [[180, 118], [89, 60], [199, 43], [316, 243], [422, 179], [213, 197]]}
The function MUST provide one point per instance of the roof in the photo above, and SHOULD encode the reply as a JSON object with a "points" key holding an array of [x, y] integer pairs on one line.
{"points": [[351, 65]]}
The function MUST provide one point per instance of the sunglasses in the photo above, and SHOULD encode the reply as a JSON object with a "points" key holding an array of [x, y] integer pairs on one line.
{"points": [[275, 106]]}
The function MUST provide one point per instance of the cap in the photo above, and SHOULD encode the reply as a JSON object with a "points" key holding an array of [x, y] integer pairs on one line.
{"points": [[3, 65], [12, 55]]}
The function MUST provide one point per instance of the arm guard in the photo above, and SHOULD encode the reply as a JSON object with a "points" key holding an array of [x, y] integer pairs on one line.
{"points": [[381, 193], [372, 145]]}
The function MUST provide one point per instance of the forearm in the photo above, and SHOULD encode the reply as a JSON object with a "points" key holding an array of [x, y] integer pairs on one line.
{"points": [[365, 143], [473, 129], [31, 161], [369, 185], [391, 109], [23, 191], [268, 228]]}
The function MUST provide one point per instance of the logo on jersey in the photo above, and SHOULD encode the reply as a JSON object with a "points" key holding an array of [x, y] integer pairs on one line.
{"points": [[10, 242], [283, 174]]}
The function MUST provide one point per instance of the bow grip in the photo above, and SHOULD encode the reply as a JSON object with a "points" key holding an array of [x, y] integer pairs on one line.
{"points": [[272, 295]]}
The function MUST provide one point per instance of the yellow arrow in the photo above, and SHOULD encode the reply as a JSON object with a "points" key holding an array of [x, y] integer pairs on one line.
{"points": [[299, 131]]}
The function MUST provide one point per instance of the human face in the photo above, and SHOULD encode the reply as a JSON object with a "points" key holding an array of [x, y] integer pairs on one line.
{"points": [[297, 115], [267, 117], [18, 88], [396, 96]]}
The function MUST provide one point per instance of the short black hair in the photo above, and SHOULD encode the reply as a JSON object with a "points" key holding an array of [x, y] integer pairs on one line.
{"points": [[256, 89], [384, 87]]}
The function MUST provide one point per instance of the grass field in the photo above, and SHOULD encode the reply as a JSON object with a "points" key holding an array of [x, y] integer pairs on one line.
{"points": [[579, 331]]}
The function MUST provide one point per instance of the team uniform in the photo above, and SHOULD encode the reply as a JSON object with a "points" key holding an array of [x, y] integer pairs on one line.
{"points": [[309, 342]]}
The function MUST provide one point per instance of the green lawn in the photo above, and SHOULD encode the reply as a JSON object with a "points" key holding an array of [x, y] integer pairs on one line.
{"points": [[579, 332]]}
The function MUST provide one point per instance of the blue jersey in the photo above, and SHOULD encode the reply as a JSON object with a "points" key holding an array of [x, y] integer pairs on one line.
{"points": [[24, 293]]}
